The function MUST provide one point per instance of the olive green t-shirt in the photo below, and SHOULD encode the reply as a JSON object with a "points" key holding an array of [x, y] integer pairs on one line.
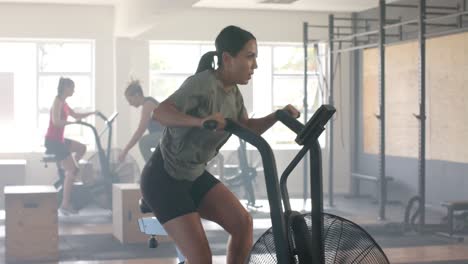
{"points": [[186, 150]]}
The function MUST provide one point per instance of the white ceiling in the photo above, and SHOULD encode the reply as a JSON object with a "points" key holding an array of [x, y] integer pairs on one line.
{"points": [[65, 2], [300, 5]]}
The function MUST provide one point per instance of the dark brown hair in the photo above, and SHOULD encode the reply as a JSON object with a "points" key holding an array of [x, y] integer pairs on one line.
{"points": [[231, 39]]}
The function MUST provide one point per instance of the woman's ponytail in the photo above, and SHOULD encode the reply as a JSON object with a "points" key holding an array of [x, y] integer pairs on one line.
{"points": [[206, 61]]}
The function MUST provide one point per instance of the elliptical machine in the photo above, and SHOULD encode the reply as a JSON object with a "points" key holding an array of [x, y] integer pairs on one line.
{"points": [[100, 191]]}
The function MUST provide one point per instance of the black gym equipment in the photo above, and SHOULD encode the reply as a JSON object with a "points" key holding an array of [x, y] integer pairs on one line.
{"points": [[152, 227], [412, 218], [245, 177], [100, 192], [312, 238], [239, 178], [304, 238]]}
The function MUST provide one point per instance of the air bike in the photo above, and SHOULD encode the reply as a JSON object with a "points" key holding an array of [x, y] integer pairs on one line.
{"points": [[99, 190], [296, 238]]}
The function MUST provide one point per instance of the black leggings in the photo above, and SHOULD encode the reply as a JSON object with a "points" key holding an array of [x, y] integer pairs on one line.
{"points": [[168, 197]]}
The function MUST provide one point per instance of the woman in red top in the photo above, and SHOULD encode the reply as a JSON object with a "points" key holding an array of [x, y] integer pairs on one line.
{"points": [[61, 147]]}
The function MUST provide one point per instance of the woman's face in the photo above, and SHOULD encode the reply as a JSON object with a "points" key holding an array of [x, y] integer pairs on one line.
{"points": [[242, 66], [133, 100], [70, 90]]}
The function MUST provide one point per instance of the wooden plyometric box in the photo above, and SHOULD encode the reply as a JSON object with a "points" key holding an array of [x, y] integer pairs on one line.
{"points": [[12, 172], [31, 231], [126, 212]]}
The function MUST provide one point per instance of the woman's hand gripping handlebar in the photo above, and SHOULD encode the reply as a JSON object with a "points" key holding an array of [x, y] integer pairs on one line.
{"points": [[215, 122], [286, 117]]}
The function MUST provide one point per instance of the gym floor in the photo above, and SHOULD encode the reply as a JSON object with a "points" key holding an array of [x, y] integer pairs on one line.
{"points": [[87, 237]]}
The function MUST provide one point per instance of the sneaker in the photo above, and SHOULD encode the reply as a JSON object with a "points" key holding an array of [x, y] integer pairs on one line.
{"points": [[67, 211]]}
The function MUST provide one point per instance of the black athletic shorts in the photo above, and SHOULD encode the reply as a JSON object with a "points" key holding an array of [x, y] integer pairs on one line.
{"points": [[168, 197], [61, 150]]}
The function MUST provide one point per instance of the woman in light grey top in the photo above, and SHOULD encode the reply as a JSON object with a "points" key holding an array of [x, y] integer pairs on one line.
{"points": [[174, 183]]}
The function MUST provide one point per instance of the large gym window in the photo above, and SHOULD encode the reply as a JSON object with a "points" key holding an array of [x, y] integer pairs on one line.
{"points": [[31, 70], [172, 63], [278, 81]]}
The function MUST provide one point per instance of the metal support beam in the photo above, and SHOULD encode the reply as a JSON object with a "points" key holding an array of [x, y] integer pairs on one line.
{"points": [[402, 23], [361, 34], [460, 18], [461, 8], [437, 13], [351, 36], [422, 112], [457, 14], [441, 25], [326, 26], [428, 7], [354, 107], [367, 29], [366, 46], [415, 22], [381, 44], [351, 41], [316, 26], [400, 30], [305, 186], [446, 32], [331, 77], [351, 27], [365, 19]]}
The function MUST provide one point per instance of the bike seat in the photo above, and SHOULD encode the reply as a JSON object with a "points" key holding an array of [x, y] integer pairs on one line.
{"points": [[49, 158], [144, 208]]}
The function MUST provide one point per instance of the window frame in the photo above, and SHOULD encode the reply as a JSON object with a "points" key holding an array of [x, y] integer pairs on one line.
{"points": [[37, 141]]}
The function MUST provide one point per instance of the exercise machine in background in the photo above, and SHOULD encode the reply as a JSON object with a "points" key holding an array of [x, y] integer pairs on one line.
{"points": [[97, 188]]}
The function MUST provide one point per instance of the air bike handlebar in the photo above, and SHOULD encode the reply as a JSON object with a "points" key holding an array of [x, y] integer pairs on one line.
{"points": [[108, 121], [314, 126], [284, 117], [97, 134]]}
